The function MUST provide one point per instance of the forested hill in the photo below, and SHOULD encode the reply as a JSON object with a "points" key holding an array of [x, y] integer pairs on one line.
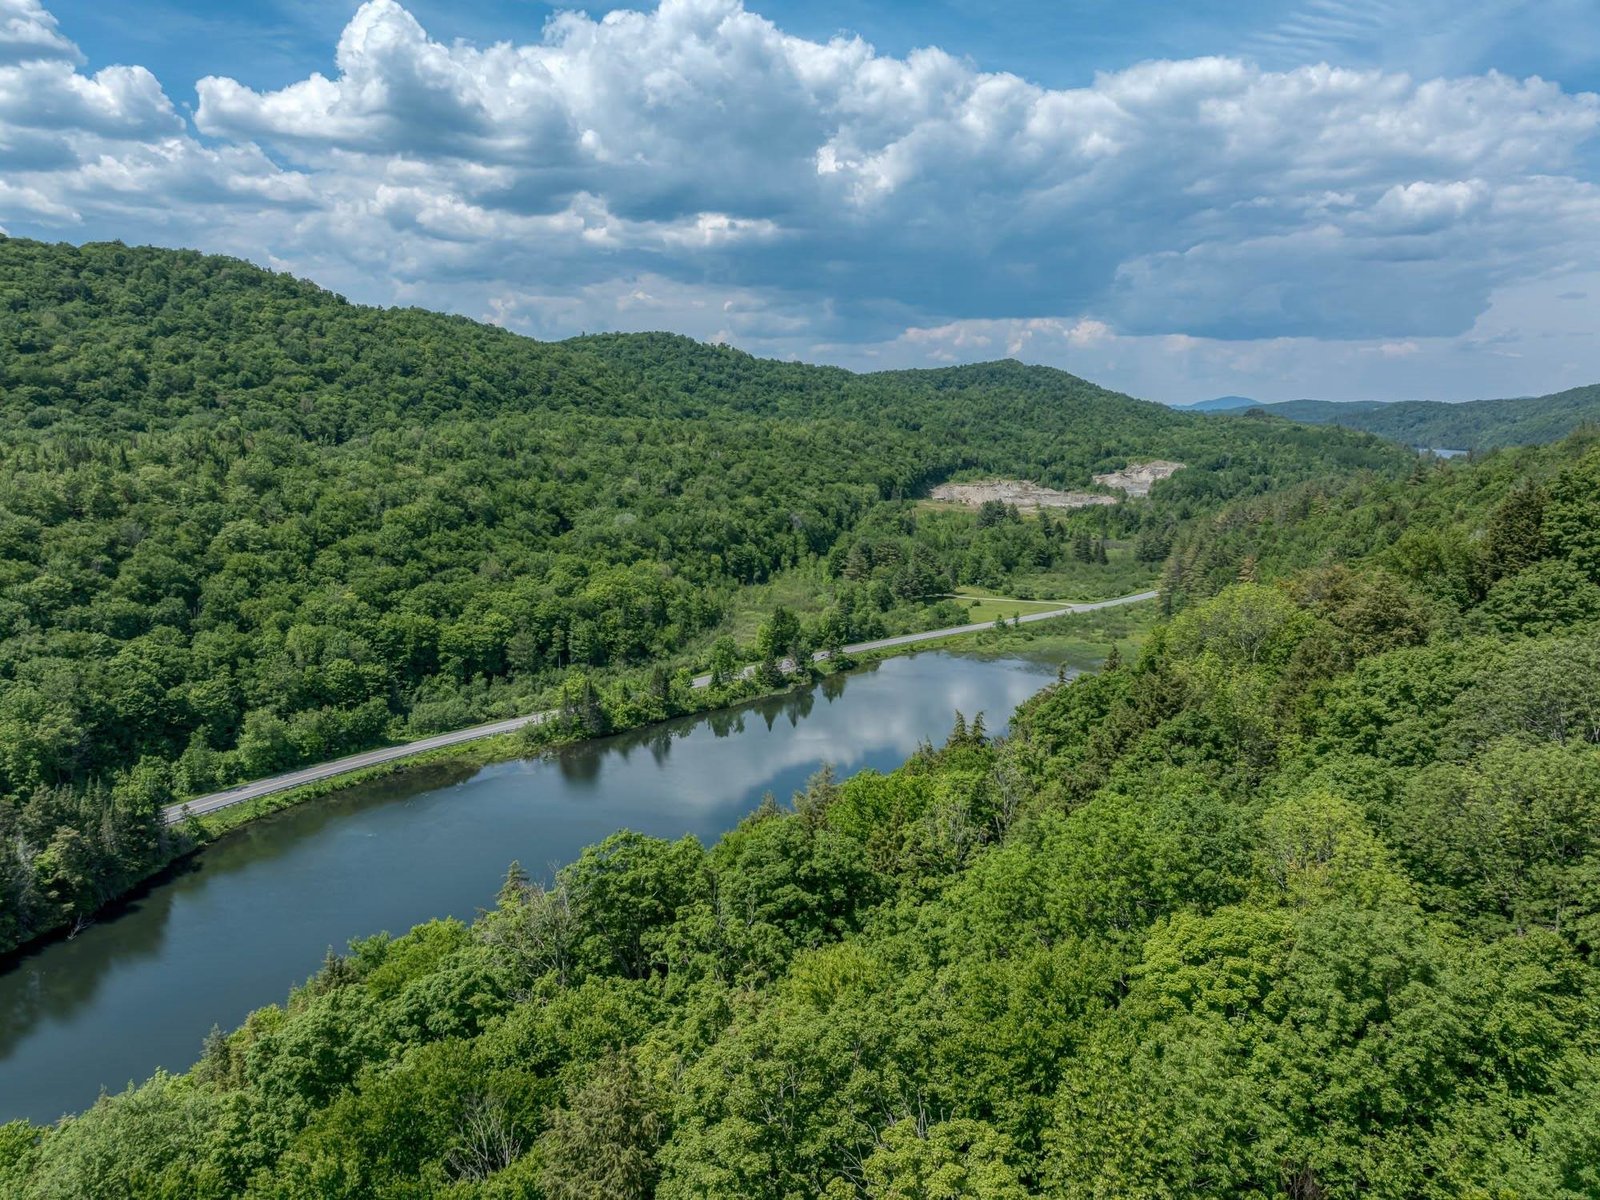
{"points": [[246, 525], [103, 339], [697, 377], [1471, 425], [1305, 902]]}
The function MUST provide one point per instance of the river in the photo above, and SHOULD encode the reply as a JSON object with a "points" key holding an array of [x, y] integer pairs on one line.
{"points": [[253, 915]]}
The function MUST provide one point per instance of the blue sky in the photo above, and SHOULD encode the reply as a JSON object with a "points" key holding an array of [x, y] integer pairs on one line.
{"points": [[1061, 43], [1338, 198]]}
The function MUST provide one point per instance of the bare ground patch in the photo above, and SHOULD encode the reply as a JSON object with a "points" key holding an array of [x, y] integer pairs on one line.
{"points": [[1136, 478], [1019, 492]]}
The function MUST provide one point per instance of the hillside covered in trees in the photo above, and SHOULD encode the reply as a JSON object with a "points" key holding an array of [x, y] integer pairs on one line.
{"points": [[1470, 425], [246, 525], [1304, 902]]}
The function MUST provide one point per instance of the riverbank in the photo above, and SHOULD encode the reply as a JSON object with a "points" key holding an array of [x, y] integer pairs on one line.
{"points": [[239, 926], [586, 705], [1082, 637]]}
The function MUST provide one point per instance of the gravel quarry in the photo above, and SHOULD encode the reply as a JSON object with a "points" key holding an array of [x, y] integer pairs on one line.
{"points": [[1018, 492], [1135, 479]]}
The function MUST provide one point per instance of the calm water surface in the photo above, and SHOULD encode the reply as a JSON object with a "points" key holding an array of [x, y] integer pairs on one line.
{"points": [[253, 915]]}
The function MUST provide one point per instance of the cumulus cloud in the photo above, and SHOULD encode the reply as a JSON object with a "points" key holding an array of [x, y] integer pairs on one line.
{"points": [[29, 33], [699, 155], [118, 102], [109, 148]]}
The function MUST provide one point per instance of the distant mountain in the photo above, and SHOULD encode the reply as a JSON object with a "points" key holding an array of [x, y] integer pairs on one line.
{"points": [[1220, 404], [1329, 412], [1471, 425]]}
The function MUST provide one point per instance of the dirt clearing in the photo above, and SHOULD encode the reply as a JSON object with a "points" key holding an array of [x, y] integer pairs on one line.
{"points": [[1135, 479], [1015, 491]]}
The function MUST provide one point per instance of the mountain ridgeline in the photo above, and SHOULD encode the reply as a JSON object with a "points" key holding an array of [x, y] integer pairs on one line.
{"points": [[246, 525], [1221, 404], [1470, 425]]}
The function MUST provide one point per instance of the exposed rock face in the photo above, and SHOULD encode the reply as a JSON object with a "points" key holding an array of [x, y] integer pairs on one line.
{"points": [[1019, 492], [1135, 478]]}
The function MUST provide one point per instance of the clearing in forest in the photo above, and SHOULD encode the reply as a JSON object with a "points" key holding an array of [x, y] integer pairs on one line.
{"points": [[1019, 492], [1135, 479]]}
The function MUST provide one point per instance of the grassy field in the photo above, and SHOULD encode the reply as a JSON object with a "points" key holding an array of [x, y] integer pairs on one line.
{"points": [[803, 590], [806, 590], [952, 506], [1081, 640], [980, 605], [1087, 581]]}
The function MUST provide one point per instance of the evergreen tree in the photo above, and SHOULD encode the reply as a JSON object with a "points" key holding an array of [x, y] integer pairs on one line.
{"points": [[1515, 536], [603, 1141]]}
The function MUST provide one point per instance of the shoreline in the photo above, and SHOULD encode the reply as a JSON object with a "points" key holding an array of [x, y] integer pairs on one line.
{"points": [[247, 792], [207, 828]]}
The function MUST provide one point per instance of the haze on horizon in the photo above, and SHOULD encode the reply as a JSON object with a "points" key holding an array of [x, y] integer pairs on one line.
{"points": [[1345, 199]]}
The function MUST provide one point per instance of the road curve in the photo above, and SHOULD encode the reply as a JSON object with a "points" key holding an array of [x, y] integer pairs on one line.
{"points": [[201, 805]]}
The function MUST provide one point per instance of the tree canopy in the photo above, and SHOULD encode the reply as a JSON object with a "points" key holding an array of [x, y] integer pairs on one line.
{"points": [[1302, 902], [1469, 425], [246, 525]]}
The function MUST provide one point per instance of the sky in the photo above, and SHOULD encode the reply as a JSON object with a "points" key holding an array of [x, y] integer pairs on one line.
{"points": [[1344, 199]]}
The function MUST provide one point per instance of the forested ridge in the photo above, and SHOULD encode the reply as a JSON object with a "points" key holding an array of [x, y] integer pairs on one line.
{"points": [[1469, 425], [245, 525], [1303, 902]]}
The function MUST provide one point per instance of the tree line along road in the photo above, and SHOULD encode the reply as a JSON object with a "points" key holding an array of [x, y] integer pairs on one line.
{"points": [[216, 801]]}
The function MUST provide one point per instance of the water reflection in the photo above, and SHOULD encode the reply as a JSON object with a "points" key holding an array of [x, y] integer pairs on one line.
{"points": [[80, 964], [53, 981], [253, 915]]}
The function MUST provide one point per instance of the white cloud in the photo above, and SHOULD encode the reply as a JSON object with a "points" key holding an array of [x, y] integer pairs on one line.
{"points": [[28, 200], [1422, 206], [28, 33], [118, 102], [656, 167]]}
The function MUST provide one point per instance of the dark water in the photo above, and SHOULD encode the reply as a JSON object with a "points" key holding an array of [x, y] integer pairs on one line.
{"points": [[254, 914]]}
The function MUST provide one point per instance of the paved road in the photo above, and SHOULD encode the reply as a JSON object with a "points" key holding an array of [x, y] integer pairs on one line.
{"points": [[371, 758], [907, 639], [339, 766]]}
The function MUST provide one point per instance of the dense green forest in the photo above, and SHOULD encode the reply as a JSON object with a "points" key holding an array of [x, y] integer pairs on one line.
{"points": [[246, 525], [1304, 902], [1471, 425]]}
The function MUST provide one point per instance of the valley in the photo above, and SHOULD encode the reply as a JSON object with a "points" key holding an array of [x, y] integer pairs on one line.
{"points": [[1249, 836]]}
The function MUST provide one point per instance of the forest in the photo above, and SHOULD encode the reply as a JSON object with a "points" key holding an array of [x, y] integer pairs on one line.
{"points": [[247, 525], [1302, 901], [1469, 425]]}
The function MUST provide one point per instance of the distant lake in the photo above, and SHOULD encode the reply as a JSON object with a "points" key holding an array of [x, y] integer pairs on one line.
{"points": [[252, 916], [1440, 452]]}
